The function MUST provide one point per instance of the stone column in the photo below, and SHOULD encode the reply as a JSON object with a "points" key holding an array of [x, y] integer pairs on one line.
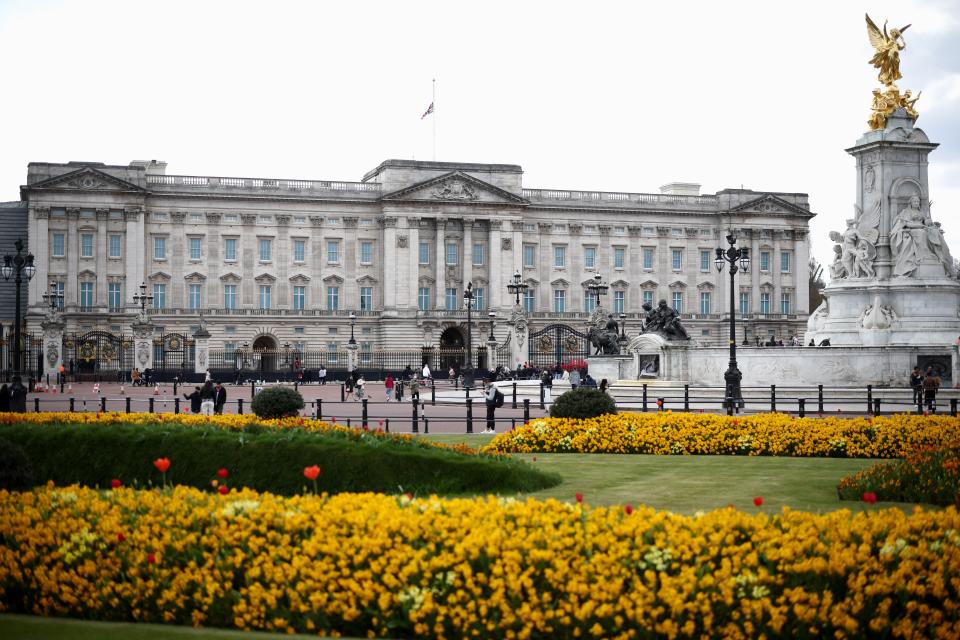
{"points": [[133, 256], [393, 271], [494, 265], [755, 273], [776, 273], [201, 338], [71, 289], [100, 297], [413, 264], [142, 342], [440, 258], [282, 258], [38, 241], [467, 251], [52, 327]]}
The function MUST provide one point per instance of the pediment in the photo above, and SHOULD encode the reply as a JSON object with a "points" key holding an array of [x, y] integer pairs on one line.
{"points": [[620, 284], [706, 286], [560, 282], [771, 204], [299, 278], [333, 279], [196, 275], [159, 275], [426, 280], [678, 284], [87, 273], [455, 187], [86, 179], [649, 284], [230, 277], [366, 279], [265, 277]]}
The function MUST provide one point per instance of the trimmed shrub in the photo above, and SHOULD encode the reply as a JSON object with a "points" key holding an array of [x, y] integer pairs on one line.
{"points": [[93, 454], [16, 472], [277, 402], [582, 402]]}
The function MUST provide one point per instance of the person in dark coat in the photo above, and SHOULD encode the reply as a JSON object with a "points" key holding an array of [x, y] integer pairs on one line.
{"points": [[220, 399], [194, 399], [18, 396], [4, 398]]}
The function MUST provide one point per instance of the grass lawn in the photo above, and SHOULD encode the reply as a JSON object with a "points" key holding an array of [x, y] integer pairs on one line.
{"points": [[17, 627], [687, 484]]}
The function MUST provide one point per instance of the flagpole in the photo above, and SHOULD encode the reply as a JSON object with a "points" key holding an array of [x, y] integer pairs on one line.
{"points": [[434, 103]]}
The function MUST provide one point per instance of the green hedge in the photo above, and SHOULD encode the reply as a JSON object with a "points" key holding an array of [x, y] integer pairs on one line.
{"points": [[262, 459], [582, 403]]}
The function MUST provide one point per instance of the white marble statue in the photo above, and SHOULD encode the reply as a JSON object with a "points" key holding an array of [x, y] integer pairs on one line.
{"points": [[857, 246], [914, 238]]}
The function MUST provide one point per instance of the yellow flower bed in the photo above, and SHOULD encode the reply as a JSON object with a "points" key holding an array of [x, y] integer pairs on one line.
{"points": [[360, 564], [229, 421], [772, 434]]}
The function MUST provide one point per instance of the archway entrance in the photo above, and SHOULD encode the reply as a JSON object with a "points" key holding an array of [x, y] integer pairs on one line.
{"points": [[265, 354], [451, 349]]}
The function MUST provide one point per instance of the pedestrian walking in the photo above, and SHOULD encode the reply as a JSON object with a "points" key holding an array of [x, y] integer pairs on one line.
{"points": [[398, 390], [916, 383], [348, 387], [414, 389], [546, 380], [427, 375], [493, 398], [322, 375], [18, 396], [388, 387], [931, 383], [220, 399], [359, 387], [194, 399]]}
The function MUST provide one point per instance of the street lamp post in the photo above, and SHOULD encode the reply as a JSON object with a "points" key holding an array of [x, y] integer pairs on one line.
{"points": [[142, 298], [54, 298], [353, 321], [18, 266], [491, 342], [598, 288], [517, 287], [733, 397], [468, 298]]}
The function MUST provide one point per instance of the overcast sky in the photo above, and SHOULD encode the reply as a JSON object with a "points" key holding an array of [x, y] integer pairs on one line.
{"points": [[598, 96]]}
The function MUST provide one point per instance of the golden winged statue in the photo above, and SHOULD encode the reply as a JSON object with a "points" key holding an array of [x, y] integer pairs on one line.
{"points": [[888, 47]]}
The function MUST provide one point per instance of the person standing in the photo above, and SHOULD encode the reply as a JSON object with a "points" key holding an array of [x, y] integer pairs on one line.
{"points": [[194, 399], [18, 396], [931, 383], [348, 386], [427, 375], [916, 383], [359, 386], [574, 378], [414, 389], [208, 397], [322, 375], [4, 399], [490, 399], [546, 381], [388, 386], [220, 398]]}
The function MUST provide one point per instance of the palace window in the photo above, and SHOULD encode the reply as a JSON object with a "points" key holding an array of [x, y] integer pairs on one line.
{"points": [[529, 297], [452, 253], [529, 255], [366, 298], [366, 252], [86, 245], [86, 296], [676, 257], [159, 296], [194, 296], [559, 256], [229, 296], [479, 303], [619, 257], [784, 262], [744, 303], [764, 302], [59, 290], [477, 253], [704, 261], [333, 298], [59, 245], [299, 250], [265, 249], [424, 253], [453, 303], [265, 296], [704, 302], [764, 261], [230, 249], [647, 258], [589, 302], [785, 302], [333, 251], [194, 248], [618, 301], [116, 241], [114, 299], [678, 301], [559, 300], [299, 297], [589, 257], [159, 248], [648, 297], [423, 298]]}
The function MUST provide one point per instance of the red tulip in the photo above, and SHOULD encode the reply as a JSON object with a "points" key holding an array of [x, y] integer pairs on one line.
{"points": [[758, 501], [185, 410], [408, 495], [162, 464], [121, 537], [222, 473], [333, 419], [151, 558], [870, 497], [311, 473], [628, 509], [223, 490], [579, 497], [115, 484]]}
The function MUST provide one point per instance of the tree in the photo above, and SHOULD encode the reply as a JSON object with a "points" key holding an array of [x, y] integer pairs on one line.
{"points": [[815, 273]]}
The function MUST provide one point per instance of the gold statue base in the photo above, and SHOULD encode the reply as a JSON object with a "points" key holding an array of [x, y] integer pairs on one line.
{"points": [[886, 102]]}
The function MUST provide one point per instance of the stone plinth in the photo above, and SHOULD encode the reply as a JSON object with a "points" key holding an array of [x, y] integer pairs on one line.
{"points": [[611, 368]]}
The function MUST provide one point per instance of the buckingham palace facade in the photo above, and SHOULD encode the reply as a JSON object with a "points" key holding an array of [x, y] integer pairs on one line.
{"points": [[274, 262]]}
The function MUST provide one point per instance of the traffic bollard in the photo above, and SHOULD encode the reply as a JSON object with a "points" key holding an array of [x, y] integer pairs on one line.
{"points": [[469, 415]]}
